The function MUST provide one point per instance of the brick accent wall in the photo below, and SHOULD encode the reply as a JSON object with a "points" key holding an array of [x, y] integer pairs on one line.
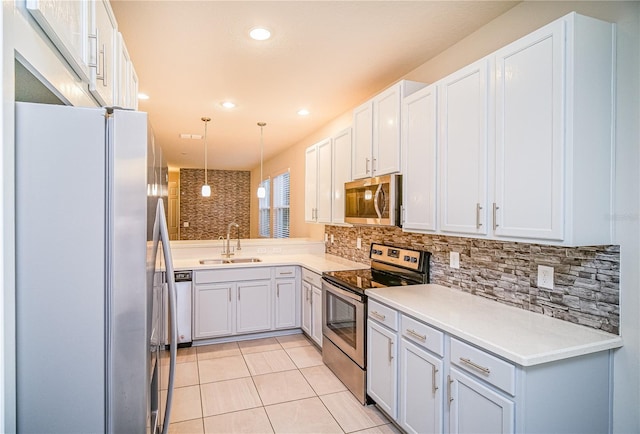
{"points": [[586, 279], [208, 217]]}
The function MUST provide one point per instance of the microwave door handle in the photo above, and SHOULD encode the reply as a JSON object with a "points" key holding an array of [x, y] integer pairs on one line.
{"points": [[375, 201]]}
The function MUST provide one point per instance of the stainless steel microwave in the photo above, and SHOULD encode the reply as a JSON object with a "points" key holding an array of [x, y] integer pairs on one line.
{"points": [[373, 201]]}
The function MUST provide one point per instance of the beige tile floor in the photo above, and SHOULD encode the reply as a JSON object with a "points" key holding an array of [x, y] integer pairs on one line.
{"points": [[272, 385]]}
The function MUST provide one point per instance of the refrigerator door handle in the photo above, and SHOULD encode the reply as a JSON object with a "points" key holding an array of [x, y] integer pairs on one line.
{"points": [[161, 227]]}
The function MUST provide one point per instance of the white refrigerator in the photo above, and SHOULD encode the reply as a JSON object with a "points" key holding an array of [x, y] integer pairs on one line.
{"points": [[90, 272]]}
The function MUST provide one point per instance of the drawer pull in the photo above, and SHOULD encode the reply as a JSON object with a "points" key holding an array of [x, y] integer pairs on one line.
{"points": [[282, 273], [485, 371], [377, 315], [416, 335]]}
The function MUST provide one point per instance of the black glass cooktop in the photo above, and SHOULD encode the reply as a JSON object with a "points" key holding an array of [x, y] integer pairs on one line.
{"points": [[360, 280]]}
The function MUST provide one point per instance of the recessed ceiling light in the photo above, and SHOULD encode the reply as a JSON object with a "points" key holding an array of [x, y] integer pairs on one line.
{"points": [[143, 96], [259, 33], [228, 104], [303, 112]]}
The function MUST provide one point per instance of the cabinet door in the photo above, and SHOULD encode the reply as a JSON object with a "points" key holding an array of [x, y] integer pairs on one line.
{"points": [[341, 173], [285, 303], [123, 62], [529, 136], [420, 390], [306, 308], [66, 23], [362, 141], [476, 409], [102, 82], [386, 132], [213, 309], [419, 168], [381, 367], [316, 305], [254, 306], [310, 183], [323, 213], [462, 140]]}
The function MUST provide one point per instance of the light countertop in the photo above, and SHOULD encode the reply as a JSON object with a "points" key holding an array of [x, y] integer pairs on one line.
{"points": [[317, 263], [523, 337]]}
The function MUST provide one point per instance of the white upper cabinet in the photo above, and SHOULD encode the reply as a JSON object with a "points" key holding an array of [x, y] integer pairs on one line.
{"points": [[341, 173], [376, 132], [553, 134], [419, 165], [463, 110], [66, 23], [318, 182], [103, 35], [127, 80]]}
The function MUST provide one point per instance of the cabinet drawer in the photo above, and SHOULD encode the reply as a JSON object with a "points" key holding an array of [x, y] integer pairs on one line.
{"points": [[232, 275], [422, 334], [383, 314], [483, 365], [312, 278], [286, 271]]}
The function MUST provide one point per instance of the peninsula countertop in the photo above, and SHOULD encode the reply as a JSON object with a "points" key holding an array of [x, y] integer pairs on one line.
{"points": [[523, 337]]}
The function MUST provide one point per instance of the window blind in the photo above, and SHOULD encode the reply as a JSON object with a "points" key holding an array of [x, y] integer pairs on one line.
{"points": [[281, 206], [264, 211]]}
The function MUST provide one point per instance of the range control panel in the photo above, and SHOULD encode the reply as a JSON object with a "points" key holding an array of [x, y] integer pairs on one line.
{"points": [[397, 256]]}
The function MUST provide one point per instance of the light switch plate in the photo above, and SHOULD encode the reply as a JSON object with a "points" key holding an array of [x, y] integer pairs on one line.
{"points": [[331, 238], [326, 237], [545, 277], [454, 259], [185, 224], [358, 243]]}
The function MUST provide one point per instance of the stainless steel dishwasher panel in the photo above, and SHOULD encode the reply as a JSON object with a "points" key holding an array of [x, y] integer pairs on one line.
{"points": [[183, 303]]}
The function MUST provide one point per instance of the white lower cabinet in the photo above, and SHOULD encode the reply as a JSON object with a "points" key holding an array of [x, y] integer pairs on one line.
{"points": [[312, 305], [476, 409], [254, 306], [419, 381], [214, 308], [382, 361], [436, 383], [229, 301]]}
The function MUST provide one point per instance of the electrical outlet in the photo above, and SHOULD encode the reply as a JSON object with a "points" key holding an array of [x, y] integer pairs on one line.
{"points": [[331, 238], [185, 224], [454, 259], [545, 277], [358, 243]]}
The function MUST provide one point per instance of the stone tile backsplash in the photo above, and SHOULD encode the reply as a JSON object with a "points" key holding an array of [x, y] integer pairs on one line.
{"points": [[208, 217], [586, 279]]}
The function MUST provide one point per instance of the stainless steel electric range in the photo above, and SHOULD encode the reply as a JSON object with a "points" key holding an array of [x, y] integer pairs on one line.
{"points": [[344, 304]]}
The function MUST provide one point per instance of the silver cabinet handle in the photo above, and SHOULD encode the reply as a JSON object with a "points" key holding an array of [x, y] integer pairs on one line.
{"points": [[238, 293], [366, 164], [373, 165], [495, 208], [390, 350], [484, 370], [434, 387], [282, 273], [278, 291], [478, 209], [416, 335], [229, 292], [377, 315], [449, 397]]}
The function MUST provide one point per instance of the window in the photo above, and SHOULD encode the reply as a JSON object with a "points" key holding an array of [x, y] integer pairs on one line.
{"points": [[281, 206], [264, 210]]}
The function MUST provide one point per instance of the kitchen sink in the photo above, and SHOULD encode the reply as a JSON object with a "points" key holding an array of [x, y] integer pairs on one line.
{"points": [[242, 260], [229, 261], [212, 261]]}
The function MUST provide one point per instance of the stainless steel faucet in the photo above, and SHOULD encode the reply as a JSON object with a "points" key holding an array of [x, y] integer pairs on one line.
{"points": [[227, 250]]}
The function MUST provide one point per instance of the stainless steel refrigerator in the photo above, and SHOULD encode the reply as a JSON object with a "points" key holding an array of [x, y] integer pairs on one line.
{"points": [[90, 272]]}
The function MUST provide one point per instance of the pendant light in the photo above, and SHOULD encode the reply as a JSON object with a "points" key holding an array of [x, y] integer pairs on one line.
{"points": [[206, 189], [262, 192]]}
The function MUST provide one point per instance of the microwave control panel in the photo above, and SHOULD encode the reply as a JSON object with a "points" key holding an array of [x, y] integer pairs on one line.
{"points": [[392, 255]]}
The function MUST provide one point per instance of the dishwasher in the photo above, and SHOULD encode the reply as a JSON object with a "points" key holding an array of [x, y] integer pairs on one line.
{"points": [[183, 308]]}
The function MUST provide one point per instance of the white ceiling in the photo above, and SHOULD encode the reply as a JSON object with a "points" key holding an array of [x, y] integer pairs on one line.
{"points": [[326, 56]]}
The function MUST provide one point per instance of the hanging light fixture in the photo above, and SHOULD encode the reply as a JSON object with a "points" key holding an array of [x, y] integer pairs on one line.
{"points": [[262, 192], [206, 189]]}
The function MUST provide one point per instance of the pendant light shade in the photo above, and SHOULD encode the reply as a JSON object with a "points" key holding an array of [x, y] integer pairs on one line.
{"points": [[206, 189], [262, 192]]}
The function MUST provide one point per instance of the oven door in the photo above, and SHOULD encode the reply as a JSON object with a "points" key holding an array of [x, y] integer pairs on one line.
{"points": [[343, 321]]}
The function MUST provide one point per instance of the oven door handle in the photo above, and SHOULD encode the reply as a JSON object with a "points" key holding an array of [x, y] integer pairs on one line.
{"points": [[339, 291]]}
